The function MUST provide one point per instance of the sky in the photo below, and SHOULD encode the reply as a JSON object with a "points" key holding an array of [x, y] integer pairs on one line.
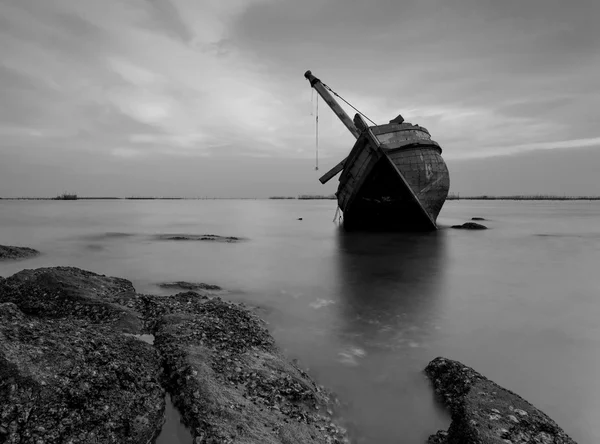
{"points": [[207, 98]]}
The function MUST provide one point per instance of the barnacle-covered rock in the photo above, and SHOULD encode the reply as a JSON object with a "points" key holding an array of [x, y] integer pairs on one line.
{"points": [[485, 413], [232, 384], [74, 370], [62, 380], [72, 293]]}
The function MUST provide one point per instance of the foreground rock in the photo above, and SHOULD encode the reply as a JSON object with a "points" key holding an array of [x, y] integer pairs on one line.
{"points": [[190, 286], [67, 372], [74, 294], [12, 253], [229, 380], [470, 226], [485, 413], [72, 370]]}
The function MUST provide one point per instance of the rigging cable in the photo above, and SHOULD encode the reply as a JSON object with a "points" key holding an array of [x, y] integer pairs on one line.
{"points": [[317, 137], [348, 103]]}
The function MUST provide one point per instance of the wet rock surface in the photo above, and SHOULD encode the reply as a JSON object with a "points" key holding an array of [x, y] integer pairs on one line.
{"points": [[470, 226], [199, 237], [73, 367], [68, 292], [182, 285], [13, 253], [71, 376], [229, 380], [485, 413]]}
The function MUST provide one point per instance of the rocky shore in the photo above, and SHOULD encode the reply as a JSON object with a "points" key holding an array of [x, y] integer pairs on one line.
{"points": [[77, 366], [73, 369], [485, 413]]}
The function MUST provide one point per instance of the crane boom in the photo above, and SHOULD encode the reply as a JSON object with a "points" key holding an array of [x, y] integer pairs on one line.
{"points": [[335, 107]]}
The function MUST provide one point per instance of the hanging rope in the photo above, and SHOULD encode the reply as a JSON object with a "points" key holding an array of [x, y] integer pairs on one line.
{"points": [[337, 216], [317, 137], [348, 103]]}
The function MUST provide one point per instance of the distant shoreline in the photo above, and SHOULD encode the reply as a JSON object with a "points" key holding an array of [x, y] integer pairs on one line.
{"points": [[304, 197], [156, 198], [523, 198]]}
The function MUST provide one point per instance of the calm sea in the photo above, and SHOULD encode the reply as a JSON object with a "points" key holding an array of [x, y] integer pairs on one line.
{"points": [[365, 313]]}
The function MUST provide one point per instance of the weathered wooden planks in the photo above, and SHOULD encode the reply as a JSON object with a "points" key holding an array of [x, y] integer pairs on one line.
{"points": [[392, 128], [332, 172], [364, 156], [426, 172], [375, 142], [356, 167]]}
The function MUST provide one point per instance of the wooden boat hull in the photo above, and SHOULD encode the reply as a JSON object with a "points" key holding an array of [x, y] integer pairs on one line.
{"points": [[397, 181]]}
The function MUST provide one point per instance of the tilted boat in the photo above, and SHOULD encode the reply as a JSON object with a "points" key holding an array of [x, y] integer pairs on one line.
{"points": [[394, 177]]}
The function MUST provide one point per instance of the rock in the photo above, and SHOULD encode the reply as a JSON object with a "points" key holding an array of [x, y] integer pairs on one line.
{"points": [[470, 226], [68, 292], [9, 310], [189, 286], [69, 374], [485, 413], [74, 367], [441, 437], [299, 218], [477, 218], [201, 237], [13, 253], [232, 384]]}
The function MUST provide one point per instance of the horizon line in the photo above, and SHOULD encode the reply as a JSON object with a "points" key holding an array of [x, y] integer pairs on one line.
{"points": [[320, 197]]}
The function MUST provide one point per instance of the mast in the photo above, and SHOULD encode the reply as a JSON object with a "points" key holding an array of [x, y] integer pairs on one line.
{"points": [[335, 107]]}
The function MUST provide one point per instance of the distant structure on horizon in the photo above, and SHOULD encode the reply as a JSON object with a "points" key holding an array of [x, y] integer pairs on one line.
{"points": [[66, 196]]}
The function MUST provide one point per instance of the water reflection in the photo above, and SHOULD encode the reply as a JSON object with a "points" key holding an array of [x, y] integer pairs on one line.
{"points": [[390, 282], [390, 288]]}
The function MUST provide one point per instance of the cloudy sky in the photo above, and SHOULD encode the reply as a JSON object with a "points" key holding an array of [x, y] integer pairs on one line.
{"points": [[207, 98]]}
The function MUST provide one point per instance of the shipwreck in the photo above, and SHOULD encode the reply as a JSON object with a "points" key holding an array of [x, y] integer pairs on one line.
{"points": [[394, 177]]}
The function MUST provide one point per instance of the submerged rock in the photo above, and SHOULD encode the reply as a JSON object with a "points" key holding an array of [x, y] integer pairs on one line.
{"points": [[485, 413], [189, 286], [74, 367], [199, 237], [470, 226], [13, 253]]}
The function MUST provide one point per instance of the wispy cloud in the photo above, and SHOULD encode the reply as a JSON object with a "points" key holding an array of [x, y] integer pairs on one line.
{"points": [[527, 147], [83, 67], [143, 78], [479, 75]]}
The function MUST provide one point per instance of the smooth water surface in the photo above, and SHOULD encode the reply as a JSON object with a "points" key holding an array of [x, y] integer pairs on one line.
{"points": [[366, 312]]}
